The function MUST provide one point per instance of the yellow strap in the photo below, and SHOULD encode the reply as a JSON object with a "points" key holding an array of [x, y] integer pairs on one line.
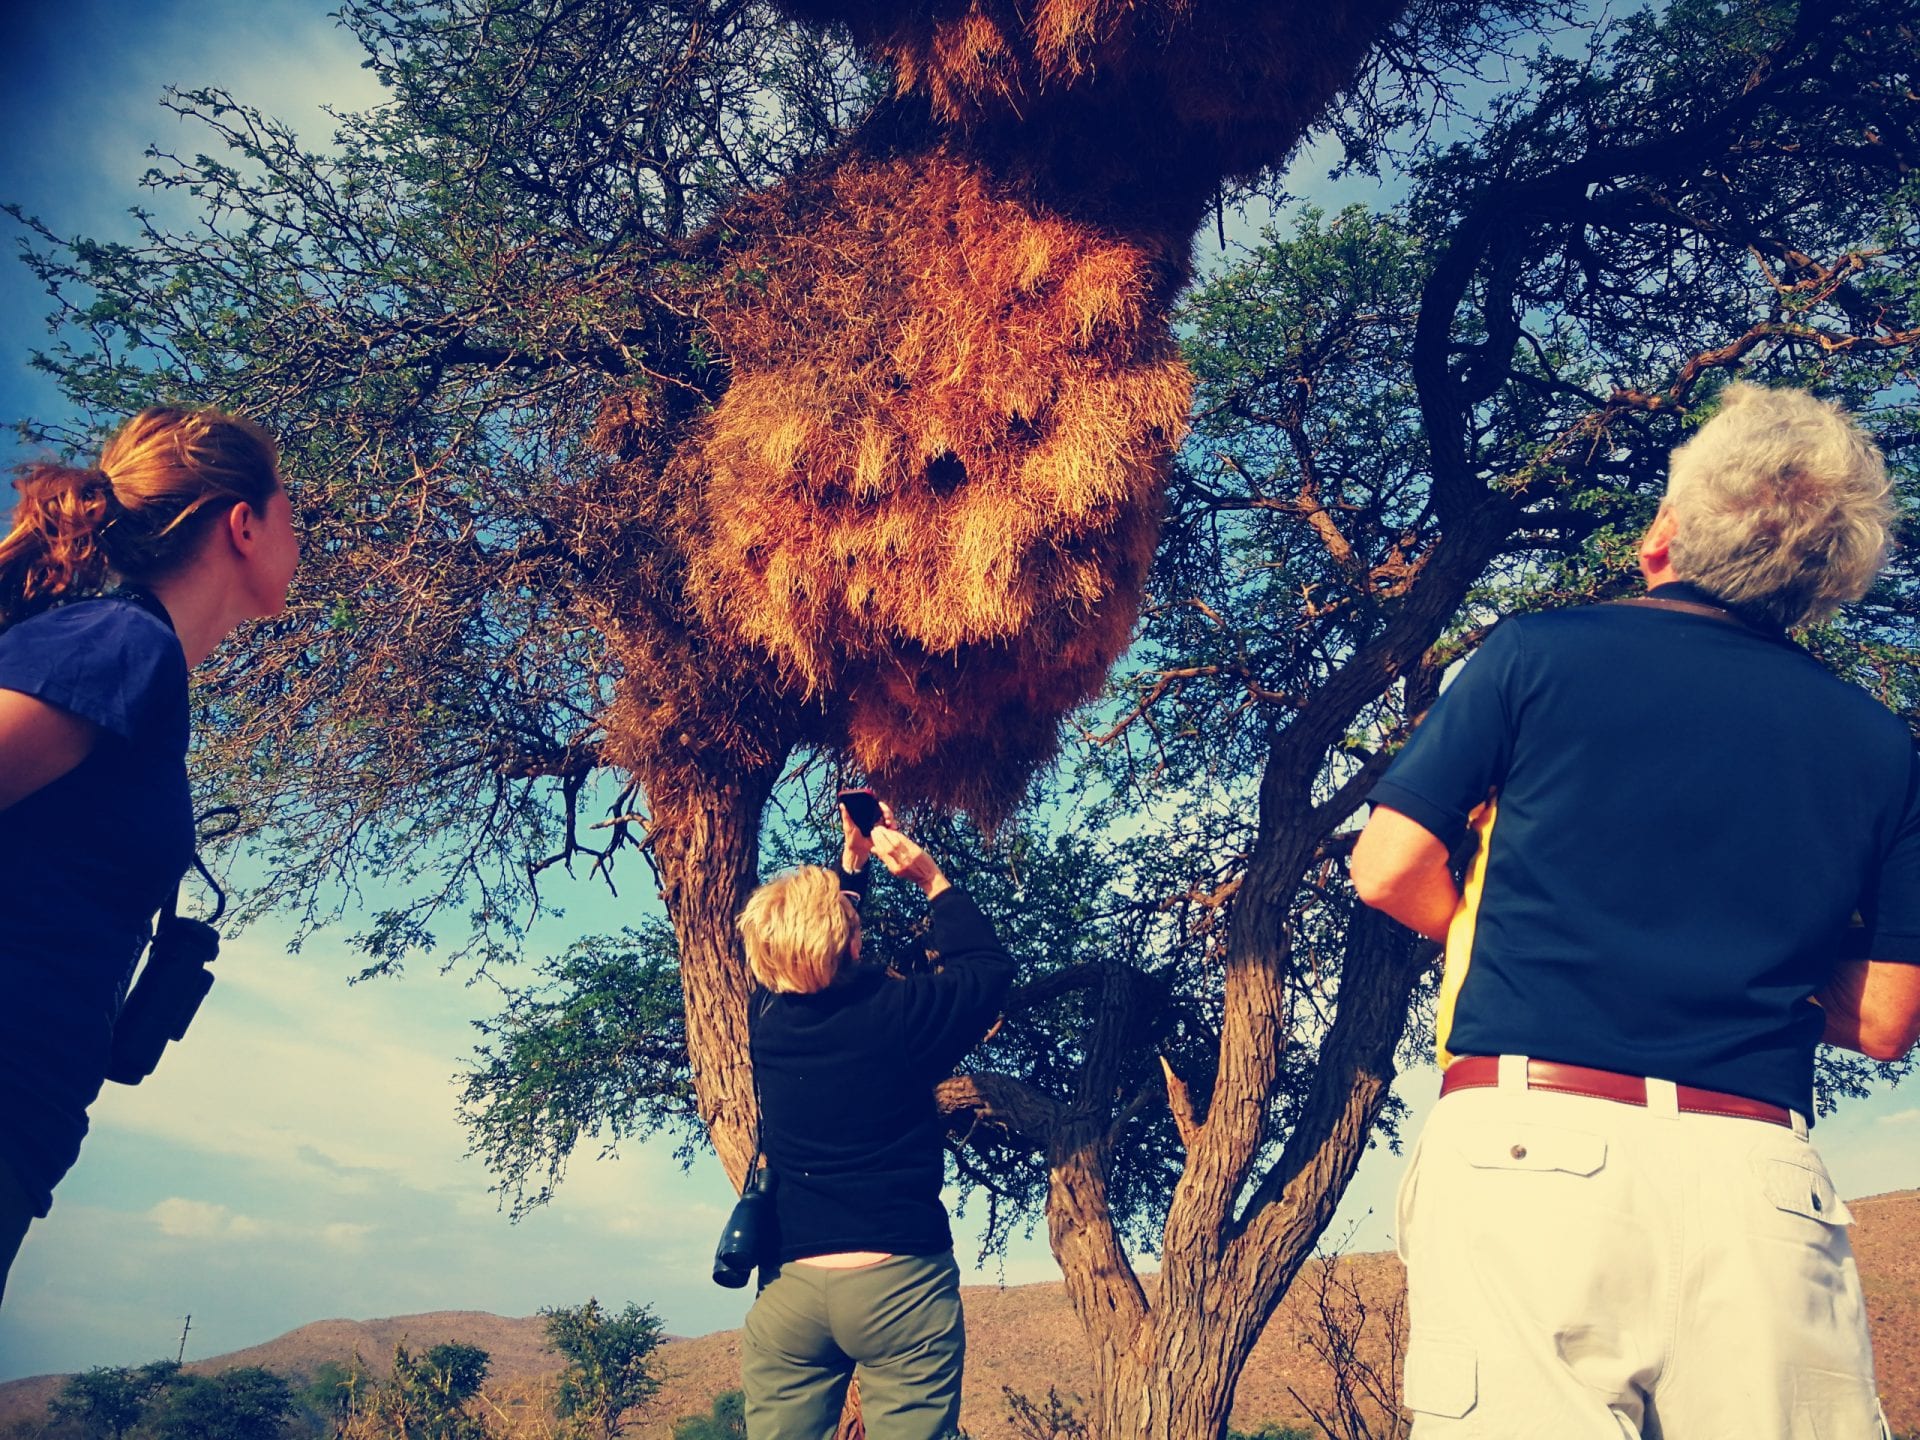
{"points": [[1460, 930]]}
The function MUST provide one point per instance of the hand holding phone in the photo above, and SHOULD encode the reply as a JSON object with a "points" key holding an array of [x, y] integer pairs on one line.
{"points": [[863, 809], [907, 860]]}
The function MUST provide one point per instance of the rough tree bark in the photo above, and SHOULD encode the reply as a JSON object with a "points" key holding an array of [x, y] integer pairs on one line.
{"points": [[706, 846]]}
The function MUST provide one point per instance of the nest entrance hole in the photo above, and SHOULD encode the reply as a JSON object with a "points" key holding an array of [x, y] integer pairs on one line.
{"points": [[946, 473]]}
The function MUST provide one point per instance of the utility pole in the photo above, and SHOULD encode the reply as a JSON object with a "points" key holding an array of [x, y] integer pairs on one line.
{"points": [[181, 1357]]}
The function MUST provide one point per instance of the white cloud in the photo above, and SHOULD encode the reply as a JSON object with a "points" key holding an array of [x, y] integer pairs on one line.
{"points": [[185, 1219], [1900, 1117], [346, 1235]]}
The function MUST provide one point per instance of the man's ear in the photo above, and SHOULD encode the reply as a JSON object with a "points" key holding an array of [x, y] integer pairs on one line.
{"points": [[1656, 544]]}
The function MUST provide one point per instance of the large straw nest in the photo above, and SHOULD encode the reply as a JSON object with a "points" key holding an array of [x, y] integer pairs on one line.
{"points": [[1233, 81], [927, 498], [689, 706]]}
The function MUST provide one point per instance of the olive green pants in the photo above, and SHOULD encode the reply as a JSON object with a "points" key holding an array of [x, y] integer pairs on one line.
{"points": [[896, 1324]]}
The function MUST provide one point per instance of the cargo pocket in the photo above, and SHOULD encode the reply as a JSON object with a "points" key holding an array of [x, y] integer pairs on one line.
{"points": [[1519, 1146], [1442, 1376], [1799, 1185]]}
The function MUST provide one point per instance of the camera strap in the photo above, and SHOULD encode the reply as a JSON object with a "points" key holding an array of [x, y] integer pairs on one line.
{"points": [[759, 1102], [174, 980]]}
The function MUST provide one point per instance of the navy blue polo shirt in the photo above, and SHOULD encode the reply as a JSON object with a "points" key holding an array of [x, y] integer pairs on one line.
{"points": [[1690, 822], [84, 864]]}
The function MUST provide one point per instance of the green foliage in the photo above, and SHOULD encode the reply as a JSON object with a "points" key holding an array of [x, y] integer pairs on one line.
{"points": [[427, 1397], [610, 1364], [161, 1401], [597, 1027], [106, 1402], [249, 1403], [727, 1420], [324, 1404]]}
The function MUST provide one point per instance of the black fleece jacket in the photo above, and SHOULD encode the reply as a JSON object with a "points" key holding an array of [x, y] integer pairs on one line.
{"points": [[846, 1078]]}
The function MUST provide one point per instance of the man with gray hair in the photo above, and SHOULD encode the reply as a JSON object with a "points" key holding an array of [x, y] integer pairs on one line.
{"points": [[1698, 856]]}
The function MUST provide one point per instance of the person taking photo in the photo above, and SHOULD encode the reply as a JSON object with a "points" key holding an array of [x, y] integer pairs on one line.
{"points": [[846, 1056]]}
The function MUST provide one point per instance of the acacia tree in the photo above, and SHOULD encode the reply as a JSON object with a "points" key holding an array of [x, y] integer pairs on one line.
{"points": [[429, 1396], [1408, 422], [1405, 421], [610, 1364]]}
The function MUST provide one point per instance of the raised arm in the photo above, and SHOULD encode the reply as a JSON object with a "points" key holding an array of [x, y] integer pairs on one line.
{"points": [[947, 1013]]}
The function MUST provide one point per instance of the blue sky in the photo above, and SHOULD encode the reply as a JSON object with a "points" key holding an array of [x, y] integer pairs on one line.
{"points": [[299, 1158]]}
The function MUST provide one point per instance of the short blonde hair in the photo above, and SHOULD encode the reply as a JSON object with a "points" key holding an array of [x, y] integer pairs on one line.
{"points": [[1781, 505], [798, 930]]}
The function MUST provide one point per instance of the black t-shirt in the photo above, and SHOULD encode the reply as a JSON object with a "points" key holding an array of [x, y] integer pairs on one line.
{"points": [[846, 1079], [84, 864], [1693, 822]]}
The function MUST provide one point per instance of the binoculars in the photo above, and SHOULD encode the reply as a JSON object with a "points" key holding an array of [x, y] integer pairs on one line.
{"points": [[748, 1239], [164, 1000]]}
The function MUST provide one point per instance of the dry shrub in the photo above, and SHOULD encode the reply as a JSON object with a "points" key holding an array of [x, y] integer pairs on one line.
{"points": [[520, 1409], [929, 492]]}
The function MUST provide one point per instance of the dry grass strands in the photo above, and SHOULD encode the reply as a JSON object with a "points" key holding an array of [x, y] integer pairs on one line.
{"points": [[928, 494]]}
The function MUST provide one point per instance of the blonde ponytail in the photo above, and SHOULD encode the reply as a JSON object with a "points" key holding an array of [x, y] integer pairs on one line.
{"points": [[54, 546], [138, 516]]}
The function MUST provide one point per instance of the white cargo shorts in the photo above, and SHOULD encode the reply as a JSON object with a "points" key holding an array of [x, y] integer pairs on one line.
{"points": [[1579, 1267]]}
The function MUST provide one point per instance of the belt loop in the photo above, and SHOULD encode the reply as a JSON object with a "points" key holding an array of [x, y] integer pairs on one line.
{"points": [[1513, 1072], [1663, 1099], [1799, 1124]]}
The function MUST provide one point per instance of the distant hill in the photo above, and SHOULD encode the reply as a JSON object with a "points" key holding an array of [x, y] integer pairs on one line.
{"points": [[1026, 1338]]}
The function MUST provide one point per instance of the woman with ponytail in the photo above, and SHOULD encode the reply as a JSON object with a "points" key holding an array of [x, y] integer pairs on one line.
{"points": [[114, 583]]}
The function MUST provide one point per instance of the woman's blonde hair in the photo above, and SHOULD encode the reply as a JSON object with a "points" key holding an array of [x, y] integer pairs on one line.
{"points": [[136, 516], [798, 930], [1781, 506]]}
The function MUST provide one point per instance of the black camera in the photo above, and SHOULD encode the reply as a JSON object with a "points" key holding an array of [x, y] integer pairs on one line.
{"points": [[162, 1004], [751, 1237]]}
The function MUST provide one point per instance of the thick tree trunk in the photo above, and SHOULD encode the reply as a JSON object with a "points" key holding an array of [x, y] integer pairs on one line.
{"points": [[706, 843], [1176, 1392], [1166, 1368]]}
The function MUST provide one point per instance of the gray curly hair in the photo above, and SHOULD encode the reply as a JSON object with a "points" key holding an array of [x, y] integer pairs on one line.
{"points": [[1781, 506]]}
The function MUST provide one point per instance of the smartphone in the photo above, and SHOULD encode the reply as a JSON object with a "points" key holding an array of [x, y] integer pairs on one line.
{"points": [[863, 808]]}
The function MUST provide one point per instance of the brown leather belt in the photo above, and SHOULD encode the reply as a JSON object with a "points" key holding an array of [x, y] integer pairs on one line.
{"points": [[1479, 1072]]}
